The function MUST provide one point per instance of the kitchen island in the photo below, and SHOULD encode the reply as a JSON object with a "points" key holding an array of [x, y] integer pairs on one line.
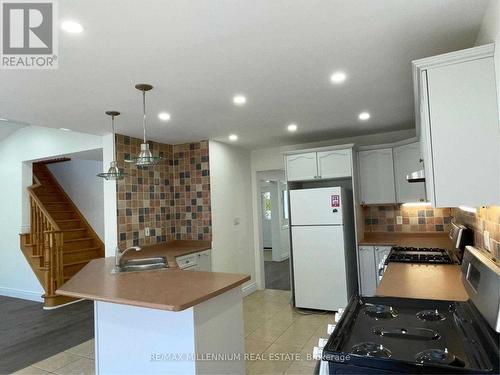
{"points": [[163, 321]]}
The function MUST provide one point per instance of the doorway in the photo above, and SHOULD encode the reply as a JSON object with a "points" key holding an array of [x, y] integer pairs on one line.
{"points": [[273, 197]]}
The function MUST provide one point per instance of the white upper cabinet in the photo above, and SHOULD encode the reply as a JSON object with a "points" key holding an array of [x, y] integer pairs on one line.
{"points": [[301, 167], [407, 159], [325, 164], [457, 119], [334, 163], [376, 173]]}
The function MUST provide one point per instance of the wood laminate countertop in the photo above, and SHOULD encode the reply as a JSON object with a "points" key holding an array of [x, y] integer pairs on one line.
{"points": [[167, 289], [440, 240], [426, 281], [170, 249]]}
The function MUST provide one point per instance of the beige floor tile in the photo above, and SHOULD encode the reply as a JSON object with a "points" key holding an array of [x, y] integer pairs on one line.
{"points": [[298, 368], [82, 366], [267, 367], [251, 325], [268, 334], [85, 349], [255, 346], [30, 370], [57, 361]]}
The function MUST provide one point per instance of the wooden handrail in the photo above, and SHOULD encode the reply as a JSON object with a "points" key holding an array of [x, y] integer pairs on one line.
{"points": [[47, 241]]}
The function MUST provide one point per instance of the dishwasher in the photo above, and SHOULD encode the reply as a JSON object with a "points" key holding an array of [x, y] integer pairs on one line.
{"points": [[188, 262]]}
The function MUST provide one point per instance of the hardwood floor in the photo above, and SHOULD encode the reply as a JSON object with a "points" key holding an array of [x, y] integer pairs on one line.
{"points": [[29, 334], [277, 275]]}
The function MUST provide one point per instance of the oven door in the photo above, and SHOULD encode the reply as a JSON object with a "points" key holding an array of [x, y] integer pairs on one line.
{"points": [[481, 279]]}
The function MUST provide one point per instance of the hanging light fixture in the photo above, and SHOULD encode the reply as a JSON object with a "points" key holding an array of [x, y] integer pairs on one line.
{"points": [[145, 158], [113, 173]]}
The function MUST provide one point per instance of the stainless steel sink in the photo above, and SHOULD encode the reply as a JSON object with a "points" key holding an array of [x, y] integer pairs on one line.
{"points": [[141, 264]]}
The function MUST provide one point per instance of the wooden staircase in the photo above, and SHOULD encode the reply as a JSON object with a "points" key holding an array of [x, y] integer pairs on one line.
{"points": [[61, 242]]}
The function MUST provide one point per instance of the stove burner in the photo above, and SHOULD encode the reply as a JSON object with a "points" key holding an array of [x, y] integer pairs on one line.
{"points": [[438, 356], [410, 333], [371, 349], [430, 316], [381, 311]]}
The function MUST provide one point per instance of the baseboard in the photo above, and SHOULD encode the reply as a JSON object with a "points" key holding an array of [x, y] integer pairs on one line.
{"points": [[62, 305], [249, 289], [22, 294]]}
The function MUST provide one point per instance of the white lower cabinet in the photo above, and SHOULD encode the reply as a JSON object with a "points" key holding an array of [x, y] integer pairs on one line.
{"points": [[367, 274], [371, 267], [204, 261]]}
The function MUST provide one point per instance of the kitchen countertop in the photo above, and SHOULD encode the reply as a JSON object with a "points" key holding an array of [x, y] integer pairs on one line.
{"points": [[167, 289], [440, 240], [170, 249], [426, 281]]}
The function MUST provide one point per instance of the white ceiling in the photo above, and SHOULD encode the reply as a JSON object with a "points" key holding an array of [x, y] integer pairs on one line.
{"points": [[279, 53]]}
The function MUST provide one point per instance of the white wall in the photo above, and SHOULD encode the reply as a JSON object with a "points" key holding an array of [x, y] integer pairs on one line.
{"points": [[16, 154], [78, 179], [272, 159], [230, 192], [490, 33]]}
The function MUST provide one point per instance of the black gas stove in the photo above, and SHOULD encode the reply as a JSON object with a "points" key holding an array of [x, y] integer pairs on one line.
{"points": [[398, 335], [419, 255]]}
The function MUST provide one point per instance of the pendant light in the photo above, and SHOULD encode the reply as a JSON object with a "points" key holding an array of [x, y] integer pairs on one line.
{"points": [[145, 158], [113, 173]]}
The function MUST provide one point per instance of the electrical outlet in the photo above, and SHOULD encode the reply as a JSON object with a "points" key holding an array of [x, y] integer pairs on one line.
{"points": [[399, 220], [147, 232], [486, 240]]}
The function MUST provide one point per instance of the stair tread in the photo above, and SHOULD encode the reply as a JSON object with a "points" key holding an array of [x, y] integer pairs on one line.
{"points": [[81, 250], [66, 220], [77, 262], [79, 239], [73, 229]]}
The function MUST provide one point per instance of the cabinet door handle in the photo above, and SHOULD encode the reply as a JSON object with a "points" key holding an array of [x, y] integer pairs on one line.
{"points": [[420, 160]]}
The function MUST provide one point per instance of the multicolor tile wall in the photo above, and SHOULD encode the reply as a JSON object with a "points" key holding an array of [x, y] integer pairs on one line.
{"points": [[172, 199], [415, 219], [486, 218]]}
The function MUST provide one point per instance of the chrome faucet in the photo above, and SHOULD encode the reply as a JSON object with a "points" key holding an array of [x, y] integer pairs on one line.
{"points": [[120, 253]]}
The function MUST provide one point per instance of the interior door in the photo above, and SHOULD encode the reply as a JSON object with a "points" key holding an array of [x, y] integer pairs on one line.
{"points": [[316, 206], [319, 273]]}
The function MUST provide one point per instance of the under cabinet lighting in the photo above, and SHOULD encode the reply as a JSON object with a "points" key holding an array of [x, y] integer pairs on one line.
{"points": [[417, 204], [468, 209]]}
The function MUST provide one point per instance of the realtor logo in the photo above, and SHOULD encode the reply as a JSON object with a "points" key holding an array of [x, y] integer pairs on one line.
{"points": [[29, 35]]}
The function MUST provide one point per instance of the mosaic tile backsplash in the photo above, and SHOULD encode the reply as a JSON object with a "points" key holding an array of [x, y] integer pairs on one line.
{"points": [[414, 219], [172, 199], [486, 218]]}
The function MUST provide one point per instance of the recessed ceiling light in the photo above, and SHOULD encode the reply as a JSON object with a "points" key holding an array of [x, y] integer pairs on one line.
{"points": [[72, 27], [363, 116], [164, 116], [239, 99], [338, 77], [292, 127], [3, 119], [65, 129], [233, 137]]}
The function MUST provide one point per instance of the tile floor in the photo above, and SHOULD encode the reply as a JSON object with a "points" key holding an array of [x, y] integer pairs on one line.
{"points": [[279, 340]]}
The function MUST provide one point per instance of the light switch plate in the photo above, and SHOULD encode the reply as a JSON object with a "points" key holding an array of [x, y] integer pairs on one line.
{"points": [[399, 220], [486, 240]]}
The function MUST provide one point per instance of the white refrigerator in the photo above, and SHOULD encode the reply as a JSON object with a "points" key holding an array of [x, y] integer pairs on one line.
{"points": [[323, 247]]}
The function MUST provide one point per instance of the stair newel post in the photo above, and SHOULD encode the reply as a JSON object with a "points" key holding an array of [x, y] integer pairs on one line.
{"points": [[59, 238]]}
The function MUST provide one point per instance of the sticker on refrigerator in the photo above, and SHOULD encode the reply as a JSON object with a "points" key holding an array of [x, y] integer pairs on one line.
{"points": [[335, 200]]}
